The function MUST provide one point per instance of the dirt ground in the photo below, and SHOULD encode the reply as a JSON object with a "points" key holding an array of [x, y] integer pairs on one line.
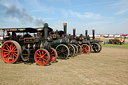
{"points": [[110, 67]]}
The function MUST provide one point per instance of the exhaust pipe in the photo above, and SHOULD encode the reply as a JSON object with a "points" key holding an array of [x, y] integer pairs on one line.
{"points": [[93, 34], [65, 29], [45, 31], [86, 33], [74, 32]]}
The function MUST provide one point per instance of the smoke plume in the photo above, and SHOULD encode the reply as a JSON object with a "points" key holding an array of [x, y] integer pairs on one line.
{"points": [[23, 16]]}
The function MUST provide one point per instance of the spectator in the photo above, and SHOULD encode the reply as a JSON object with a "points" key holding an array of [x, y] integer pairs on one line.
{"points": [[8, 34]]}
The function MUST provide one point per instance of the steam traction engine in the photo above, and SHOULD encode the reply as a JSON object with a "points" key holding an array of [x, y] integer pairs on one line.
{"points": [[83, 47], [94, 44], [61, 43], [75, 43], [26, 47]]}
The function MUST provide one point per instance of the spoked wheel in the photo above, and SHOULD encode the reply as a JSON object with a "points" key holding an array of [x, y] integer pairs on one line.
{"points": [[96, 47], [53, 55], [72, 50], [42, 57], [100, 47], [25, 55], [76, 49], [79, 49], [11, 52], [62, 51], [85, 49]]}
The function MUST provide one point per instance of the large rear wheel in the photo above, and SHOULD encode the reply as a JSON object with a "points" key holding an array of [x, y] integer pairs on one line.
{"points": [[100, 47], [62, 51], [96, 47], [11, 52]]}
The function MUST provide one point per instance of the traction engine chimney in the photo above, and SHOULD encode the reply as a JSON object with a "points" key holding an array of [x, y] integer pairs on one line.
{"points": [[65, 29], [45, 31], [86, 33], [74, 32], [93, 34]]}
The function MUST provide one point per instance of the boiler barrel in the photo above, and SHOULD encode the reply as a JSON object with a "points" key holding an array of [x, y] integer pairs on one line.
{"points": [[57, 42]]}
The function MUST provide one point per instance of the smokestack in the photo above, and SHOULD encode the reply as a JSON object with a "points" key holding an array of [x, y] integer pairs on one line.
{"points": [[74, 32], [86, 33], [93, 34], [65, 29], [45, 31]]}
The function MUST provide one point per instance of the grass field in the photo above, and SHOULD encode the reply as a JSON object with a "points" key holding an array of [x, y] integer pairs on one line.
{"points": [[116, 46], [109, 67]]}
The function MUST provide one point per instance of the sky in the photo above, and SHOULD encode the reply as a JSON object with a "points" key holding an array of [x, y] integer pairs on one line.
{"points": [[105, 16]]}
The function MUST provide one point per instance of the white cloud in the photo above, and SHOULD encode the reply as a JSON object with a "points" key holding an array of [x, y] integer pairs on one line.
{"points": [[9, 3], [38, 6], [122, 5], [57, 25], [97, 23], [86, 15], [91, 4]]}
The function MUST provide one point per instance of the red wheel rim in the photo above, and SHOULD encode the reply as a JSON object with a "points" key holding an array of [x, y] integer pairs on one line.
{"points": [[85, 49], [52, 55], [41, 57], [9, 52]]}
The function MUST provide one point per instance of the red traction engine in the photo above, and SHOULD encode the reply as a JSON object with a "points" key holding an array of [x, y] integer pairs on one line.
{"points": [[85, 48], [27, 48]]}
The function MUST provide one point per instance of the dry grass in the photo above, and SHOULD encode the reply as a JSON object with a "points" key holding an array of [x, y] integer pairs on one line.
{"points": [[110, 67]]}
